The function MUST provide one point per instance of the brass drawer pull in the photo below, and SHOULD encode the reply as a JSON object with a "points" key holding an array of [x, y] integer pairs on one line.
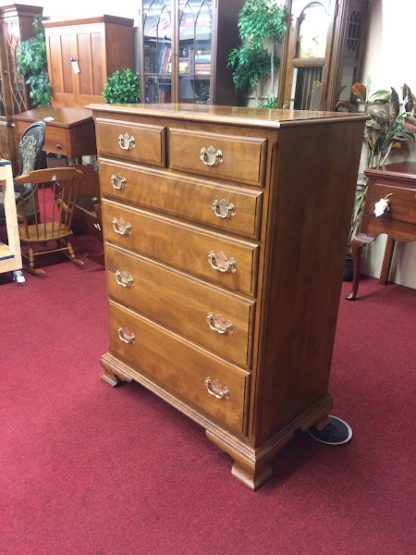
{"points": [[223, 209], [219, 324], [126, 336], [119, 182], [126, 141], [210, 157], [124, 279], [216, 389], [220, 262], [121, 227]]}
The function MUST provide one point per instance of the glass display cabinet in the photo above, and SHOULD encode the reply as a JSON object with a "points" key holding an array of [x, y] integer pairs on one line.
{"points": [[180, 56]]}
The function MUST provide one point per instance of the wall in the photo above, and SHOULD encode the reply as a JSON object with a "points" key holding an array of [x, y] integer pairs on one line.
{"points": [[389, 62]]}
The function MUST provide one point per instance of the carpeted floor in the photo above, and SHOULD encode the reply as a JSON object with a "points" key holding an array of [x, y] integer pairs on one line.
{"points": [[87, 469]]}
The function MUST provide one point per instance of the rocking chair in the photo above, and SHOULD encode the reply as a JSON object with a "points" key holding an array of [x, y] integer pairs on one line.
{"points": [[46, 210]]}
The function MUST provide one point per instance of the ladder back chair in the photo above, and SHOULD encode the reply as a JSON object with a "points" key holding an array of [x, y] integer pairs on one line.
{"points": [[46, 210]]}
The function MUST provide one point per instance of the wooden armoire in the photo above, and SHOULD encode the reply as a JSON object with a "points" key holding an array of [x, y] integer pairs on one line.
{"points": [[82, 53], [16, 24]]}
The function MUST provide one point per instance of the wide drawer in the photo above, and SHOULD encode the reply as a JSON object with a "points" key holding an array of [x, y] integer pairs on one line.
{"points": [[206, 314], [131, 141], [401, 201], [231, 209], [215, 386], [240, 159], [229, 262]]}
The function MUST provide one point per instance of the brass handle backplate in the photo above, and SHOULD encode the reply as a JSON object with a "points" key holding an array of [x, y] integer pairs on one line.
{"points": [[223, 209], [124, 279], [220, 262], [121, 227], [216, 389], [118, 181], [126, 141], [211, 157], [126, 336], [219, 324]]}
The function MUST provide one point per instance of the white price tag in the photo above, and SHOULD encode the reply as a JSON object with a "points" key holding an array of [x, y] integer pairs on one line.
{"points": [[75, 67]]}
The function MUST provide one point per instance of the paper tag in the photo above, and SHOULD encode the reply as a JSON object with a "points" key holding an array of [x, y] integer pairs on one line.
{"points": [[75, 67]]}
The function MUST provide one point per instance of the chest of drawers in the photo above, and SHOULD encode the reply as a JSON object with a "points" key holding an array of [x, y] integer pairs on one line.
{"points": [[225, 232]]}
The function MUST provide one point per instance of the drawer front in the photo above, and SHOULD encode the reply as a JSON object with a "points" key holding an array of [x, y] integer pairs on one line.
{"points": [[230, 209], [240, 159], [183, 246], [56, 140], [180, 367], [182, 304], [402, 203], [131, 141]]}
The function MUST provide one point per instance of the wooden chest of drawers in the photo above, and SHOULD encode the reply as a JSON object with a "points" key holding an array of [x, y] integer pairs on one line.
{"points": [[225, 232]]}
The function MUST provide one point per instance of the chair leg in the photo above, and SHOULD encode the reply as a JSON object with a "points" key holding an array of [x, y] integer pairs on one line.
{"points": [[359, 241], [71, 255], [31, 268]]}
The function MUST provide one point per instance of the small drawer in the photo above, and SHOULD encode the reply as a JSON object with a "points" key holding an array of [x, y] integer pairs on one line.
{"points": [[240, 159], [182, 304], [401, 202], [232, 209], [215, 386], [56, 140], [131, 141], [229, 262]]}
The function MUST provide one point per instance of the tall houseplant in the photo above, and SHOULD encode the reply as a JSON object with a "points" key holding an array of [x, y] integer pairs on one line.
{"points": [[261, 24], [32, 64]]}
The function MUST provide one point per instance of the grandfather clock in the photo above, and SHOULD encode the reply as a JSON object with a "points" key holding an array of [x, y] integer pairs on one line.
{"points": [[16, 24], [323, 52]]}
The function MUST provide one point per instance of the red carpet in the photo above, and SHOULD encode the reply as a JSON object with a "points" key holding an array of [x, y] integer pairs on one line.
{"points": [[86, 469]]}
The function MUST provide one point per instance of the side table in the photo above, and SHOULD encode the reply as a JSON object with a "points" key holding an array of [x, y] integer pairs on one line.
{"points": [[391, 194]]}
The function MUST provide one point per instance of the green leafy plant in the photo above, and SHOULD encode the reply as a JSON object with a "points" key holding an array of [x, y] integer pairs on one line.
{"points": [[391, 126], [122, 87], [32, 64], [261, 25]]}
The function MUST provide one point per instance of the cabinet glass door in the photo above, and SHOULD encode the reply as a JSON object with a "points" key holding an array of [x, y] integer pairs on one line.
{"points": [[157, 50], [195, 32]]}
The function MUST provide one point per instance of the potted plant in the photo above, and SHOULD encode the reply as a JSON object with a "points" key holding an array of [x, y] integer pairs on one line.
{"points": [[32, 64], [389, 127], [261, 24], [122, 87]]}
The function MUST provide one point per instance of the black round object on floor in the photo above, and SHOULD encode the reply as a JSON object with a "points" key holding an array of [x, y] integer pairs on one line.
{"points": [[336, 432]]}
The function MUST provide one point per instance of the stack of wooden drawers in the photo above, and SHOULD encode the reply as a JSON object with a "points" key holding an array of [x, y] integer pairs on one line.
{"points": [[204, 265]]}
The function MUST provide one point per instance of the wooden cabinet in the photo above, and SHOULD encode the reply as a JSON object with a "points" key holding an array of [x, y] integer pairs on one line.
{"points": [[183, 48], [225, 246], [16, 24], [323, 54], [82, 53], [390, 208]]}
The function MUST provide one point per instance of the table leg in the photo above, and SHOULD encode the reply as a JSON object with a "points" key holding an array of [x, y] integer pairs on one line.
{"points": [[388, 255]]}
